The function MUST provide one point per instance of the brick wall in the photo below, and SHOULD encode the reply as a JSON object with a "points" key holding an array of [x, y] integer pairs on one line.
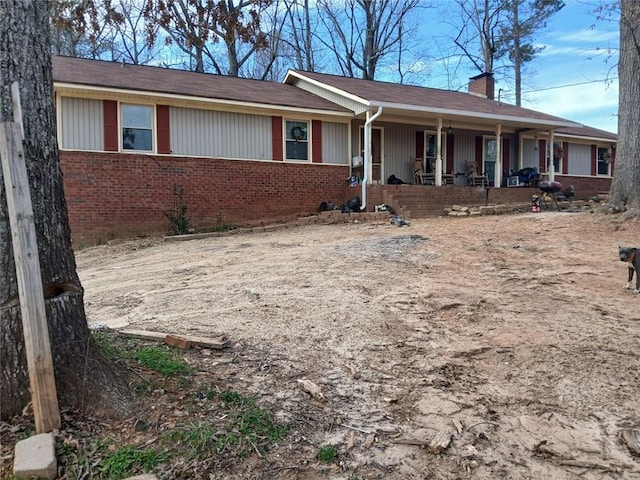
{"points": [[112, 195]]}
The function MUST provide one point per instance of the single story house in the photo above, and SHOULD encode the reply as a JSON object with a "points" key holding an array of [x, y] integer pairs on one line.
{"points": [[248, 151]]}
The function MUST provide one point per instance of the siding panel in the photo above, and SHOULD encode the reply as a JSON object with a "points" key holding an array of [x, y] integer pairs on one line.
{"points": [[579, 159], [205, 133], [335, 143], [82, 124]]}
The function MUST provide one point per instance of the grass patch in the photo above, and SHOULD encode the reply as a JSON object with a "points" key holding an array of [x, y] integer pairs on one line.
{"points": [[128, 461], [160, 360], [327, 454], [246, 427]]}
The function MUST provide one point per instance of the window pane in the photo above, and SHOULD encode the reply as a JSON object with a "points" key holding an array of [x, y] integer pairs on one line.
{"points": [[297, 150], [137, 116], [297, 131], [136, 139]]}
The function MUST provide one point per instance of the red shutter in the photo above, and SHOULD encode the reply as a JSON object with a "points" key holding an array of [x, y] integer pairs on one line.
{"points": [[542, 155], [505, 154], [594, 160], [110, 120], [565, 159], [479, 146], [276, 138], [162, 129], [419, 144], [316, 141], [449, 167]]}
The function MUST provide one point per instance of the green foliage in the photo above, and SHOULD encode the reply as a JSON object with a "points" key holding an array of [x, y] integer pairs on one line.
{"points": [[128, 461], [327, 453], [246, 426], [178, 217], [160, 360]]}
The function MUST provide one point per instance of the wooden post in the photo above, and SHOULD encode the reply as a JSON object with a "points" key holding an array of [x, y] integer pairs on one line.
{"points": [[25, 251]]}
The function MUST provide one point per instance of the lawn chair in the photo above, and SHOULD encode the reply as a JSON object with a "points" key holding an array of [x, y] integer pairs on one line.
{"points": [[474, 178]]}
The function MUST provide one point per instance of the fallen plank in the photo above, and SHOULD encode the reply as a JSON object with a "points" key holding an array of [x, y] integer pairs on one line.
{"points": [[143, 334], [217, 343]]}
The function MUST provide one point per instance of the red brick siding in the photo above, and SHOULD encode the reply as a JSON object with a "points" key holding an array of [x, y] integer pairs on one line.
{"points": [[437, 198], [118, 195]]}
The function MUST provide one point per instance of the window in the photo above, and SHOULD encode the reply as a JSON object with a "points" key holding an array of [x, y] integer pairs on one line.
{"points": [[604, 160], [137, 127], [297, 140], [431, 152], [489, 158]]}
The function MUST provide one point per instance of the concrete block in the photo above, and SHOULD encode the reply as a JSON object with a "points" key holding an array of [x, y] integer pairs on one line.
{"points": [[36, 457]]}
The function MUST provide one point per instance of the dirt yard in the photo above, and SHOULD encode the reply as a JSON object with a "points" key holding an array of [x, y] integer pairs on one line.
{"points": [[512, 333]]}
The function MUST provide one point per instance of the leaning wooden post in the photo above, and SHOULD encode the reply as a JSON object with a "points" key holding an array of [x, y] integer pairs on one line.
{"points": [[25, 252]]}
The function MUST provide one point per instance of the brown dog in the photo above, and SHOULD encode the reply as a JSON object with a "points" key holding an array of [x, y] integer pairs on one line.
{"points": [[632, 257]]}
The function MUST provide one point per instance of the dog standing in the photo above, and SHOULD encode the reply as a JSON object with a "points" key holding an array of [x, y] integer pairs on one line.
{"points": [[632, 257]]}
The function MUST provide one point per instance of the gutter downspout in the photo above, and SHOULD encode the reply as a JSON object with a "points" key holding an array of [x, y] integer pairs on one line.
{"points": [[367, 154]]}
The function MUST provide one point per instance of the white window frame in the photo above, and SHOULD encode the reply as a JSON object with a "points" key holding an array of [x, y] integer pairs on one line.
{"points": [[429, 133], [486, 138], [122, 126], [288, 137]]}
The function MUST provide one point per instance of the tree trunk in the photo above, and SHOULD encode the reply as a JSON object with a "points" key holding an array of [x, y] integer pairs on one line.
{"points": [[84, 379], [625, 189]]}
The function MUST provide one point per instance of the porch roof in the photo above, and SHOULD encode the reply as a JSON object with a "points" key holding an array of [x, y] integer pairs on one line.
{"points": [[415, 101], [78, 73]]}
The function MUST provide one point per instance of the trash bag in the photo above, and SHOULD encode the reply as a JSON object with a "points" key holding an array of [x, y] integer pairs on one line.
{"points": [[393, 180], [351, 205]]}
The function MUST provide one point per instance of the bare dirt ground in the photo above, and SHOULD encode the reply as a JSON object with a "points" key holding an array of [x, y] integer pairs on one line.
{"points": [[511, 332]]}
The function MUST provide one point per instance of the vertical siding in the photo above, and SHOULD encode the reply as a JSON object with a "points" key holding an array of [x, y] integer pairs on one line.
{"points": [[82, 125], [206, 133], [579, 159], [530, 155], [335, 143]]}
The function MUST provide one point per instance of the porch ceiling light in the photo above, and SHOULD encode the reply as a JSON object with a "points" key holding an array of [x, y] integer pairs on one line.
{"points": [[450, 129]]}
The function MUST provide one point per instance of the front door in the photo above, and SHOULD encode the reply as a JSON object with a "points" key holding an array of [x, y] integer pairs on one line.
{"points": [[376, 152]]}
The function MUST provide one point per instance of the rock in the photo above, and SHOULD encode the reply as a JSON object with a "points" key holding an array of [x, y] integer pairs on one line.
{"points": [[35, 457]]}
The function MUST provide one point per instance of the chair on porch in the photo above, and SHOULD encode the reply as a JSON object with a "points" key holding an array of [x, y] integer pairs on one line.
{"points": [[420, 177], [475, 179]]}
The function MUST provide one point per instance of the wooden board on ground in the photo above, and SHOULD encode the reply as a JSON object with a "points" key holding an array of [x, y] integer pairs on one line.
{"points": [[217, 343]]}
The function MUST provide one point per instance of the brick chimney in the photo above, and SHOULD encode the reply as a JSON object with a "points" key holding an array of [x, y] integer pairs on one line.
{"points": [[483, 85]]}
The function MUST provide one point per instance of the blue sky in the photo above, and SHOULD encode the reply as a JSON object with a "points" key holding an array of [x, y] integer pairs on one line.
{"points": [[573, 77], [580, 53]]}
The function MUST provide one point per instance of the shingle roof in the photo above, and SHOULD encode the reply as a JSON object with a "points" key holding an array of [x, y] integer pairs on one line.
{"points": [[179, 82], [587, 132], [378, 92]]}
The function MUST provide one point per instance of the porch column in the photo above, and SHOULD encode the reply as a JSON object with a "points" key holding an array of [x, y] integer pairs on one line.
{"points": [[439, 154], [551, 168], [497, 177]]}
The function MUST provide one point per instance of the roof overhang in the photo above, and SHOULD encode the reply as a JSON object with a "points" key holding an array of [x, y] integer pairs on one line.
{"points": [[108, 93], [477, 117]]}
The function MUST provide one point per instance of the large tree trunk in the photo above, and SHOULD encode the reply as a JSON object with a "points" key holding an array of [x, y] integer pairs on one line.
{"points": [[625, 189], [85, 380]]}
